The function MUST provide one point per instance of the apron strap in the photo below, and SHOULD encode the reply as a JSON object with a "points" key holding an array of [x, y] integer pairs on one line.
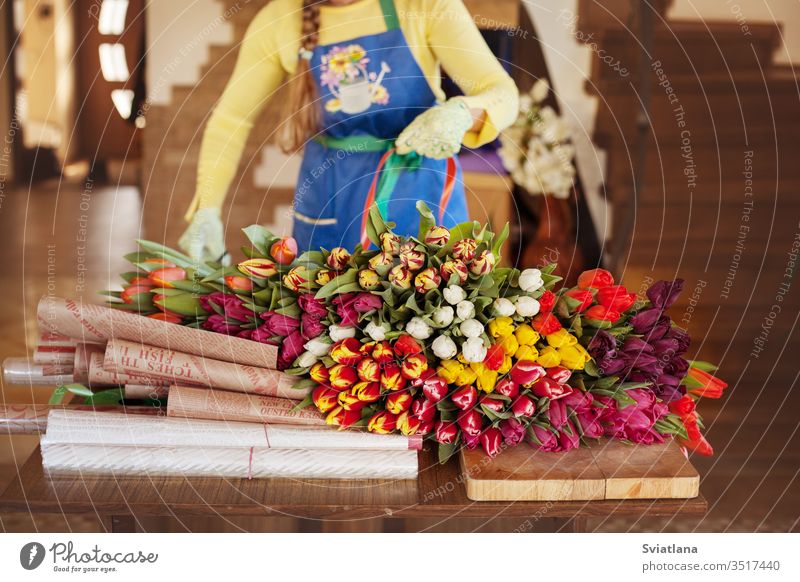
{"points": [[388, 185], [390, 15]]}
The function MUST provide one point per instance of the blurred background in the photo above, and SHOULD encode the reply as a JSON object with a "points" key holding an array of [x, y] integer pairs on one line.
{"points": [[683, 117]]}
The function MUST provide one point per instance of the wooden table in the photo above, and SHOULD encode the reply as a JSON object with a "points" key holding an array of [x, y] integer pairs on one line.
{"points": [[438, 493]]}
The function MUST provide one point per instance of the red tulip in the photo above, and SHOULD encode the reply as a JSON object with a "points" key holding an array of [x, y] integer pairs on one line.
{"points": [[129, 292], [602, 313], [369, 370], [343, 418], [700, 446], [584, 298], [547, 301], [341, 377], [140, 282], [405, 345], [425, 426], [392, 378], [413, 366], [446, 432], [491, 441], [683, 407], [523, 406], [165, 277], [238, 283], [526, 372], [470, 421], [494, 357], [367, 391], [465, 397], [549, 388], [616, 298], [168, 317], [423, 409], [493, 404], [559, 374], [434, 387], [595, 279], [346, 351], [710, 385], [324, 398], [398, 402], [507, 387], [382, 422], [284, 251], [546, 323]]}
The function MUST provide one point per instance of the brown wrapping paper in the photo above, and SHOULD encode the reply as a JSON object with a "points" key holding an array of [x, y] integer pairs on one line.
{"points": [[179, 368], [83, 354], [145, 391], [99, 376], [207, 404], [54, 355], [96, 324]]}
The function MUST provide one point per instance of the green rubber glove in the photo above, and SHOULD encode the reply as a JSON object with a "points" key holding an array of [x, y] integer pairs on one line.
{"points": [[204, 239], [438, 132]]}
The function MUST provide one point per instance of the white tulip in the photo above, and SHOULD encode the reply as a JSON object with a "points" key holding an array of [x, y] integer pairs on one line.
{"points": [[443, 316], [465, 310], [531, 280], [418, 329], [474, 350], [454, 294], [471, 328], [444, 348], [340, 332], [504, 307], [527, 306], [540, 90], [306, 360], [318, 346], [375, 331]]}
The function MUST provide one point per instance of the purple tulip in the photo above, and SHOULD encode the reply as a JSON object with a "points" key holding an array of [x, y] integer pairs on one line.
{"points": [[635, 344], [644, 321], [602, 343], [547, 441], [231, 305], [277, 324], [568, 438], [344, 309], [219, 324], [311, 305], [471, 441], [291, 347], [663, 294], [610, 366], [513, 431], [366, 302], [557, 413], [262, 334], [590, 425], [311, 326]]}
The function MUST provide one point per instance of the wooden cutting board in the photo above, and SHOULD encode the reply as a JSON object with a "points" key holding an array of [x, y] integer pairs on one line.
{"points": [[607, 470]]}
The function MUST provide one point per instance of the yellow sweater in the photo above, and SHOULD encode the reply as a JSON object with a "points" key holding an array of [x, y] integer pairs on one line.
{"points": [[439, 33]]}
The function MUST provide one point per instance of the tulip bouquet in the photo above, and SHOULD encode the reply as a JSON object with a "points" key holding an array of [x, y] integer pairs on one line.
{"points": [[428, 335]]}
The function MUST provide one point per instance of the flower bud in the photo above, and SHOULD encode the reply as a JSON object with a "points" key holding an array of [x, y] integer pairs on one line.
{"points": [[526, 306], [413, 366], [464, 250], [526, 372], [483, 263], [412, 260], [341, 377], [437, 236], [319, 373], [443, 316], [523, 406], [446, 432], [423, 409], [408, 424], [298, 279], [392, 378], [324, 398], [465, 397], [454, 267], [504, 307], [400, 277], [530, 280], [343, 418], [470, 421], [418, 329], [382, 259], [549, 388], [471, 328], [324, 276], [390, 243], [238, 283], [368, 370], [474, 350], [382, 422], [454, 294], [259, 268], [595, 279], [398, 402], [366, 391], [491, 441], [349, 400], [338, 258], [427, 280], [346, 351], [444, 348], [507, 387], [284, 251], [368, 279]]}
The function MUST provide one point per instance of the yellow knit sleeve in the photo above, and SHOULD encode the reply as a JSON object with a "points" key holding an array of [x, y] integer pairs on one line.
{"points": [[464, 55], [257, 74]]}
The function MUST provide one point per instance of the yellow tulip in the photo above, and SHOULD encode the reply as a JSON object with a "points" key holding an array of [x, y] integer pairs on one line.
{"points": [[526, 335], [449, 370], [485, 378], [574, 357], [509, 345], [549, 357], [501, 327], [526, 353], [561, 338], [507, 364]]}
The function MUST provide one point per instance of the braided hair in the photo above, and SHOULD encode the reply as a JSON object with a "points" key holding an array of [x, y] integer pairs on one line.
{"points": [[300, 109]]}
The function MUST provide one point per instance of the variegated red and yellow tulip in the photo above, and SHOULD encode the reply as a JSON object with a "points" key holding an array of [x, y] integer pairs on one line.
{"points": [[347, 351], [165, 277], [338, 258], [408, 424], [325, 399], [299, 279], [390, 243], [382, 422], [400, 277], [368, 279], [369, 370], [437, 236], [319, 373], [392, 378], [367, 391], [427, 280], [398, 402], [483, 263], [454, 267], [413, 260], [382, 259], [324, 276], [341, 377], [349, 400], [383, 352], [343, 418], [259, 268], [284, 251], [464, 250], [413, 366], [238, 283]]}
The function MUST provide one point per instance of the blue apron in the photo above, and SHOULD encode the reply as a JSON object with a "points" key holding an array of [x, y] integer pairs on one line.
{"points": [[370, 88]]}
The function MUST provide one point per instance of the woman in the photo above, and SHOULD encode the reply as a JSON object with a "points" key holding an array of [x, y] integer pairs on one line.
{"points": [[365, 100]]}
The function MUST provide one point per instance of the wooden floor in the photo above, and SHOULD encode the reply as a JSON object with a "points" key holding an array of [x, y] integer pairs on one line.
{"points": [[751, 484]]}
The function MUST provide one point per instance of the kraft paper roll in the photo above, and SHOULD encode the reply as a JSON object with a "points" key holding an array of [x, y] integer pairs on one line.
{"points": [[99, 376], [83, 353], [207, 404], [146, 360], [145, 391], [116, 429], [54, 355], [96, 324]]}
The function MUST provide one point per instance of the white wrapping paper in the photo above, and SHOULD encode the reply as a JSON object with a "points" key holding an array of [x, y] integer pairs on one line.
{"points": [[70, 459], [24, 371]]}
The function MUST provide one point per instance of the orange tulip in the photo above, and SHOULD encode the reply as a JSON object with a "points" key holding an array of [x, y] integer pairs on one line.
{"points": [[349, 400], [319, 373], [342, 418], [165, 277], [239, 283], [367, 391], [284, 251], [392, 378], [709, 385]]}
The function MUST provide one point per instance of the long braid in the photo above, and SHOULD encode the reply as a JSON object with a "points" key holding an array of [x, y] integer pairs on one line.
{"points": [[300, 109]]}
